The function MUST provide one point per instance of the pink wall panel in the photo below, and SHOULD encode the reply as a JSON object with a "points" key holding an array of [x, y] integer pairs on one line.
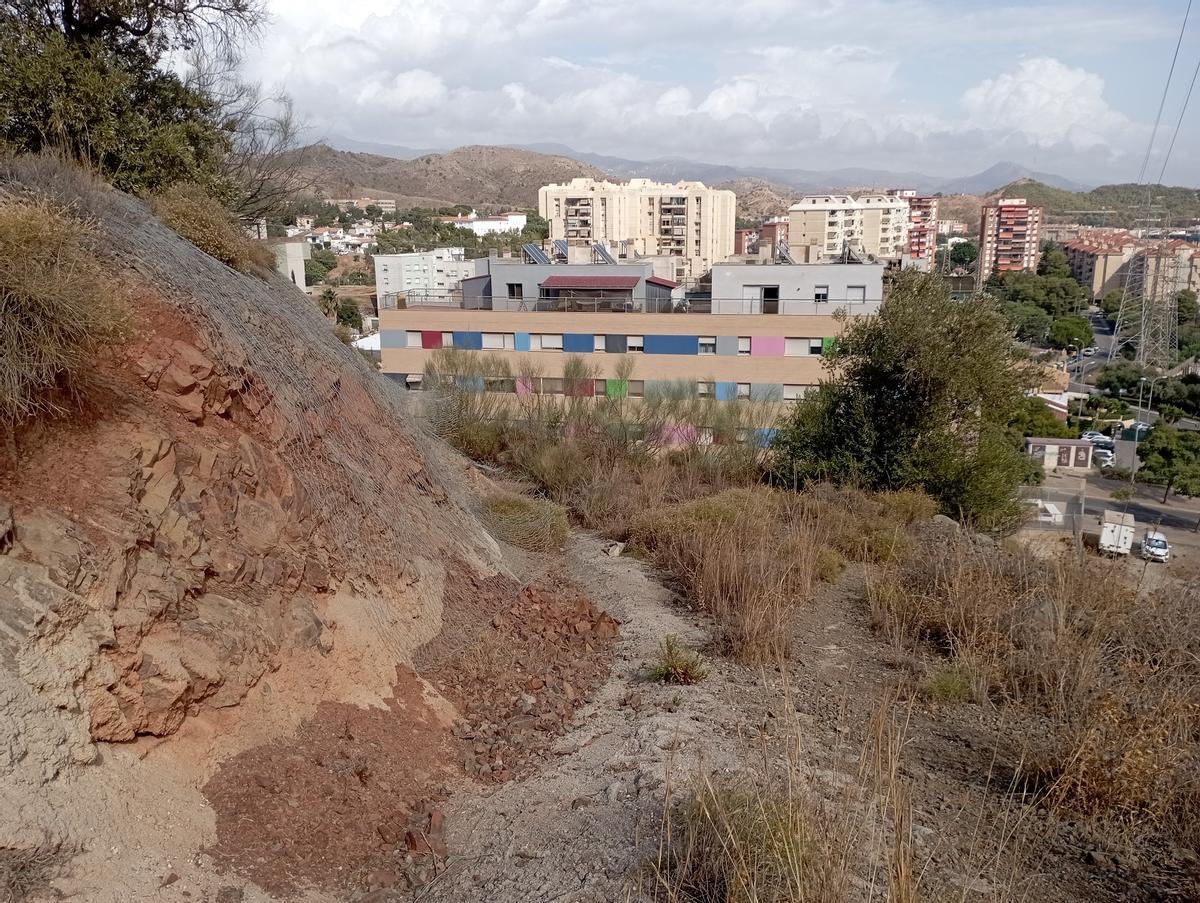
{"points": [[766, 346]]}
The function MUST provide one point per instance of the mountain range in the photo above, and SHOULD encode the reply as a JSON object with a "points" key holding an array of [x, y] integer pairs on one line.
{"points": [[673, 169]]}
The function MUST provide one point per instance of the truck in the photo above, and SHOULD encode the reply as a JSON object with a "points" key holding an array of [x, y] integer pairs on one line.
{"points": [[1116, 532]]}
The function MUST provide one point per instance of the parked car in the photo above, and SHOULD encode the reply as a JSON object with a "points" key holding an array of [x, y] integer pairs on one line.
{"points": [[1102, 457], [1155, 547], [1088, 352], [1104, 444], [1140, 426], [1092, 436]]}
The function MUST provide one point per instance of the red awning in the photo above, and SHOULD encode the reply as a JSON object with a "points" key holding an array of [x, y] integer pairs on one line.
{"points": [[592, 282], [665, 283]]}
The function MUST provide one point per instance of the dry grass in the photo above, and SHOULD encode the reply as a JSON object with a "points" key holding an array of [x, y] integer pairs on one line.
{"points": [[534, 524], [57, 310], [1110, 678], [204, 222], [746, 556], [28, 871], [677, 664]]}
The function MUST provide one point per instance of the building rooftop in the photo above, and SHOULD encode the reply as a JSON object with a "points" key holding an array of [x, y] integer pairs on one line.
{"points": [[593, 282]]}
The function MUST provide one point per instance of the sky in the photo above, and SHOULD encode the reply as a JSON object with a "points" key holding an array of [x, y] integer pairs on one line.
{"points": [[943, 88]]}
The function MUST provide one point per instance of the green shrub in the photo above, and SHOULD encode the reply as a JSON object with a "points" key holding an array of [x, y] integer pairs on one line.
{"points": [[677, 664], [57, 310], [204, 222], [947, 684], [534, 524]]}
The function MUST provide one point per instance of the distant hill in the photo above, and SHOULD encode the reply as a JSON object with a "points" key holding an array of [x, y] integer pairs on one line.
{"points": [[671, 169], [1125, 201], [758, 199], [481, 175]]}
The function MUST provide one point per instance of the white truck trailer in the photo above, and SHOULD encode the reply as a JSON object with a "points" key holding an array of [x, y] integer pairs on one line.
{"points": [[1116, 532]]}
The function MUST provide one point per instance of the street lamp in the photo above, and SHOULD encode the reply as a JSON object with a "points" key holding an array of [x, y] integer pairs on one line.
{"points": [[1137, 428]]}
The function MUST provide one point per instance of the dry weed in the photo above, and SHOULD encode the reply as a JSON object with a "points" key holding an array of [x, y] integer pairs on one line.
{"points": [[57, 309], [677, 664], [529, 523], [203, 221]]}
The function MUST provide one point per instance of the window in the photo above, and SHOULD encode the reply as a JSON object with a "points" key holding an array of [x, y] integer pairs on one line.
{"points": [[820, 293], [516, 290], [552, 385], [510, 342], [743, 390], [856, 293], [412, 339], [601, 388], [816, 346], [493, 341], [599, 344], [499, 384], [637, 388], [447, 340], [743, 344], [551, 341], [792, 393], [706, 389], [535, 341], [770, 299], [793, 347], [708, 344], [633, 343]]}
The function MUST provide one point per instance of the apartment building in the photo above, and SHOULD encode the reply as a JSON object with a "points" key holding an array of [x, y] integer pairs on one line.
{"points": [[487, 225], [387, 205], [922, 226], [1010, 237], [687, 221], [426, 275], [1103, 260], [832, 224], [760, 337], [774, 231], [1100, 258]]}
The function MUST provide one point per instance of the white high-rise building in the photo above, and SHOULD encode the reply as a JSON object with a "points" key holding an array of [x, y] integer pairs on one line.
{"points": [[684, 220], [875, 224]]}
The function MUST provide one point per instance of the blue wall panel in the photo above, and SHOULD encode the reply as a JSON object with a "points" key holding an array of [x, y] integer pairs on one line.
{"points": [[472, 341], [579, 343], [521, 341], [671, 344], [726, 392]]}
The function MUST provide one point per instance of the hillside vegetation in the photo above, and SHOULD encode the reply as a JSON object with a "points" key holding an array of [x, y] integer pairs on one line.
{"points": [[1126, 201], [477, 175]]}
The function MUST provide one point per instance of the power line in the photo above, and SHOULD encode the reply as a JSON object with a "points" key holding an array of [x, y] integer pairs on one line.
{"points": [[1163, 102], [1179, 121]]}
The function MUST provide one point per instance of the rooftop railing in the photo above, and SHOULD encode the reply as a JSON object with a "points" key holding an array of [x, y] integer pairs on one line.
{"points": [[624, 303]]}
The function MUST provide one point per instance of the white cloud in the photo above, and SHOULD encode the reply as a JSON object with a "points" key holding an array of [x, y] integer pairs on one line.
{"points": [[808, 84], [1048, 102], [414, 91]]}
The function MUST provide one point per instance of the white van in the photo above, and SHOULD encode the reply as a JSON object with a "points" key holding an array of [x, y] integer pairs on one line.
{"points": [[1155, 547]]}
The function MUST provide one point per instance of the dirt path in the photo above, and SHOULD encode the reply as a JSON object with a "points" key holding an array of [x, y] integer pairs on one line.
{"points": [[582, 827]]}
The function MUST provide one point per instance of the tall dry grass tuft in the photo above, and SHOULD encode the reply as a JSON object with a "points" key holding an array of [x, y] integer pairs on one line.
{"points": [[1110, 677], [58, 309], [764, 835], [746, 556]]}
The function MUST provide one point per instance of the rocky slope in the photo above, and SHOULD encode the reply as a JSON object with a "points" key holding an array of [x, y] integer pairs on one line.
{"points": [[239, 528], [481, 175]]}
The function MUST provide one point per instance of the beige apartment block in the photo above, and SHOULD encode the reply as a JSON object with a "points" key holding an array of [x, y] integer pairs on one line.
{"points": [[830, 224], [686, 221], [792, 367]]}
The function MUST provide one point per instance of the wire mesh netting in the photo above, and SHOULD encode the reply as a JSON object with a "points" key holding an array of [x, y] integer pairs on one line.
{"points": [[343, 430]]}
